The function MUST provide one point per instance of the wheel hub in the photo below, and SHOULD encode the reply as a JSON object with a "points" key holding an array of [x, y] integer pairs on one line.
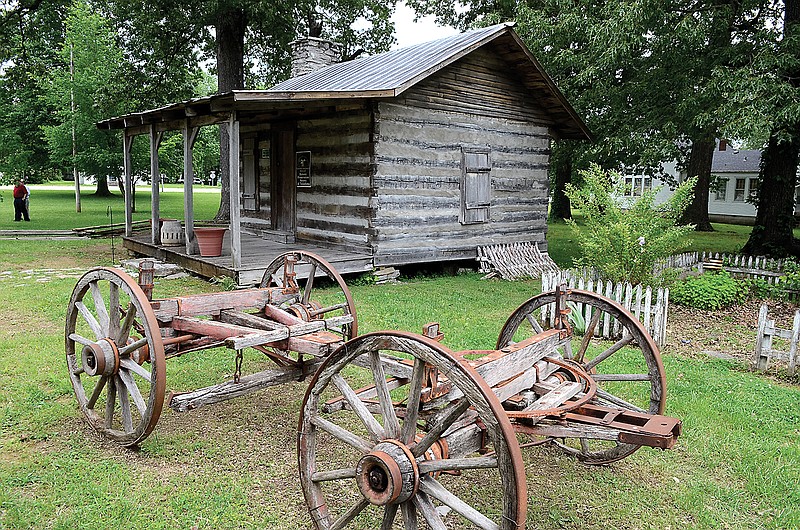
{"points": [[388, 474], [100, 358], [305, 312]]}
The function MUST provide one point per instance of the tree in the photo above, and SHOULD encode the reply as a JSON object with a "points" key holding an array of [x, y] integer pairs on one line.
{"points": [[777, 85], [35, 86], [692, 40], [93, 87], [30, 37]]}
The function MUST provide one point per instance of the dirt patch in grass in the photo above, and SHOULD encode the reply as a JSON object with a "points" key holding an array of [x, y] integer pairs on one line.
{"points": [[732, 331]]}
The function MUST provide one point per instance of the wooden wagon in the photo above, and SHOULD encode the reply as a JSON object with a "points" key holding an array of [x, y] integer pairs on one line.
{"points": [[396, 429]]}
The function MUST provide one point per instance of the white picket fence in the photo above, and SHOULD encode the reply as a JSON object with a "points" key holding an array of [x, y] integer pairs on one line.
{"points": [[740, 266], [686, 261], [764, 352], [650, 305]]}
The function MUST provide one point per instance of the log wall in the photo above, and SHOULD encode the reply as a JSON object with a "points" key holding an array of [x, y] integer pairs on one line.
{"points": [[418, 153], [336, 209]]}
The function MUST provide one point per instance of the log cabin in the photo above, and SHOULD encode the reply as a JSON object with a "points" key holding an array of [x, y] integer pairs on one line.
{"points": [[416, 155]]}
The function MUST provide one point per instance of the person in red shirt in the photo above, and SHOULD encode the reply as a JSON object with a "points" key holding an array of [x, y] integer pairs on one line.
{"points": [[20, 205]]}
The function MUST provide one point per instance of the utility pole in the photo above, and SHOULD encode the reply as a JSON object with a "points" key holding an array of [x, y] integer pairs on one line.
{"points": [[74, 142]]}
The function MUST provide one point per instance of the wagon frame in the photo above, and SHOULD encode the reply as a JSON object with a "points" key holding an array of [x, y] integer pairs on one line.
{"points": [[392, 422]]}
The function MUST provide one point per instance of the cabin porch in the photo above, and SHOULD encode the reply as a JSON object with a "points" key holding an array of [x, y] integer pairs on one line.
{"points": [[256, 254]]}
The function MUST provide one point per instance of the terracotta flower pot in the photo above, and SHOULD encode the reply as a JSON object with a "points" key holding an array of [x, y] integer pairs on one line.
{"points": [[209, 239]]}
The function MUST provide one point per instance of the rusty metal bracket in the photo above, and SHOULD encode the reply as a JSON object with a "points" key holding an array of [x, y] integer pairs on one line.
{"points": [[562, 311], [430, 379], [484, 436], [290, 276], [146, 275], [431, 330], [639, 428]]}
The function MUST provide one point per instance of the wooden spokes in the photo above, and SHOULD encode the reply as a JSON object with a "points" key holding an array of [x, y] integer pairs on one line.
{"points": [[613, 347], [378, 450], [115, 355], [321, 292]]}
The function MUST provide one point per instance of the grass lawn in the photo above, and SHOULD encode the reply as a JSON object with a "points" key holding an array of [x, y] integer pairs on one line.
{"points": [[233, 464], [54, 209]]}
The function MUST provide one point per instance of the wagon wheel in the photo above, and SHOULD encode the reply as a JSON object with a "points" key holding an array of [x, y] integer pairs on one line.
{"points": [[115, 355], [627, 367], [310, 269], [366, 463]]}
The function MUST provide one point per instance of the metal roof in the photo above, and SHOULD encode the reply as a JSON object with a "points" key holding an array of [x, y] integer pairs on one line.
{"points": [[391, 71], [384, 75]]}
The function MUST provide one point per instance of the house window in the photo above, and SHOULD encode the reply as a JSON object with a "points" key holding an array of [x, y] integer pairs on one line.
{"points": [[635, 186], [752, 193], [476, 166], [720, 189], [739, 191]]}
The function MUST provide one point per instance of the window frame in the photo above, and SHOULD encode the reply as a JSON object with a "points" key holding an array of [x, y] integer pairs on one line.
{"points": [[476, 184], [740, 190]]}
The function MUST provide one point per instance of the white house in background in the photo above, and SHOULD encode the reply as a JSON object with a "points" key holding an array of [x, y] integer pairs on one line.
{"points": [[734, 179]]}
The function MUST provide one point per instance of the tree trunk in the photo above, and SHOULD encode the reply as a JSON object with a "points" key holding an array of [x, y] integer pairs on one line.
{"points": [[102, 187], [700, 159], [230, 27], [772, 233], [561, 163]]}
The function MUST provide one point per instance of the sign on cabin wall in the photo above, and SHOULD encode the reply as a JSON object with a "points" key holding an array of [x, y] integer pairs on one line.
{"points": [[303, 169]]}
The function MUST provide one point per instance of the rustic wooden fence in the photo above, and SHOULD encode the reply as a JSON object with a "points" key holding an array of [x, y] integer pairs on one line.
{"points": [[650, 305], [767, 331], [740, 266], [514, 261]]}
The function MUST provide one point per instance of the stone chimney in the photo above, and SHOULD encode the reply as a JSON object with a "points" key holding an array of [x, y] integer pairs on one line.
{"points": [[311, 53]]}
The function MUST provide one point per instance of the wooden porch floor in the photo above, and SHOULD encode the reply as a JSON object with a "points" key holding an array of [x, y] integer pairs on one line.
{"points": [[257, 253]]}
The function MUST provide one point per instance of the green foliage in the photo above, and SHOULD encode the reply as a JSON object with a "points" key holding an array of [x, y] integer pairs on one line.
{"points": [[624, 243], [29, 44], [786, 289], [86, 80], [711, 291], [224, 283], [366, 278], [205, 155], [576, 318]]}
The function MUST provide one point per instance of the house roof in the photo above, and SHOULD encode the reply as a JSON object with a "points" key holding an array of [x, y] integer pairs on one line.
{"points": [[385, 75], [736, 161]]}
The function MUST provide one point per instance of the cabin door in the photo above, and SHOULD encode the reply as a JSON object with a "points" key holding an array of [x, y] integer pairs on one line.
{"points": [[283, 193]]}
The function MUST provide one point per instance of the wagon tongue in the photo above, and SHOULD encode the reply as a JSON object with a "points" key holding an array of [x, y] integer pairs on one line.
{"points": [[652, 430]]}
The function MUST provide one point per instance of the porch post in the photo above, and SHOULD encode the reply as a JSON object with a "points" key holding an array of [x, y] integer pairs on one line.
{"points": [[236, 233], [127, 143], [189, 138], [155, 181]]}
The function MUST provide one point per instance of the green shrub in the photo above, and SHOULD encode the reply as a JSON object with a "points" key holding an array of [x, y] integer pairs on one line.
{"points": [[624, 239], [760, 289], [785, 289], [712, 290]]}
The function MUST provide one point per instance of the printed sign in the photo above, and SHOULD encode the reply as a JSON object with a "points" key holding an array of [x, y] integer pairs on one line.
{"points": [[303, 169]]}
